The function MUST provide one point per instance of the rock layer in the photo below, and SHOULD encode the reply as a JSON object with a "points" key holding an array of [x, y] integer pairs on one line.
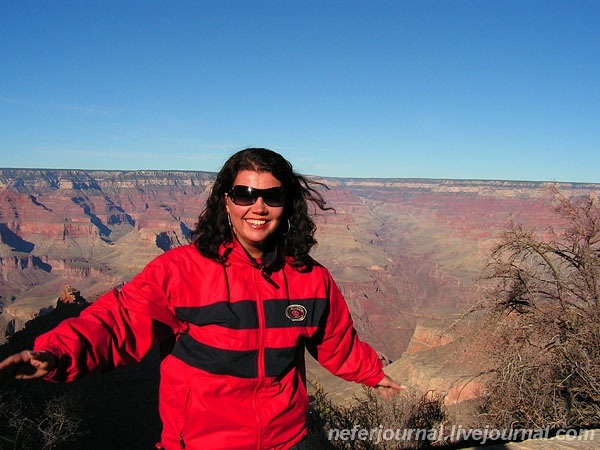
{"points": [[404, 252]]}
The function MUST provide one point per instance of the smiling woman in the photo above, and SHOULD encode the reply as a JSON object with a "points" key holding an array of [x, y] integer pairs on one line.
{"points": [[234, 310], [283, 201]]}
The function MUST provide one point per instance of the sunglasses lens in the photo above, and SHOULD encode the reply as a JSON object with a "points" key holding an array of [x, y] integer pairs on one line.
{"points": [[246, 196], [273, 197], [242, 196]]}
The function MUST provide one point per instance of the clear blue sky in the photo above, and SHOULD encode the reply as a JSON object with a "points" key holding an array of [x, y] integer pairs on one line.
{"points": [[506, 89]]}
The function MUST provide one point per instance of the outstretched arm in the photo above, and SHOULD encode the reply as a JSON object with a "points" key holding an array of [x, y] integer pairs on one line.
{"points": [[118, 328], [27, 364], [338, 348]]}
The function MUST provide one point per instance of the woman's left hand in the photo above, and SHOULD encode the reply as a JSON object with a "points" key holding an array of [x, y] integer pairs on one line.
{"points": [[388, 388]]}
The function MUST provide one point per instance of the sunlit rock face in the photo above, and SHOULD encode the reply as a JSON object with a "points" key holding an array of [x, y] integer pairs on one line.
{"points": [[88, 229], [404, 252]]}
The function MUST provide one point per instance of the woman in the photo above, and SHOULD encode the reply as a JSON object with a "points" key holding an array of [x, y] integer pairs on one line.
{"points": [[243, 301]]}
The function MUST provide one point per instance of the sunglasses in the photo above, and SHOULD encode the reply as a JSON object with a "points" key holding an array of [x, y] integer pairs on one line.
{"points": [[246, 195]]}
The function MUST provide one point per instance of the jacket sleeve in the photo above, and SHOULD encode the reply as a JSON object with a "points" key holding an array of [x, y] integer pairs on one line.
{"points": [[118, 328], [338, 348]]}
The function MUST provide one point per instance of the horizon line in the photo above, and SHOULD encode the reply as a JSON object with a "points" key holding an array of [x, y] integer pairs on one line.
{"points": [[381, 179]]}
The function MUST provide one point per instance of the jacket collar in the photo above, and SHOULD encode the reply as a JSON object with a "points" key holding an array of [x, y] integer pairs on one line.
{"points": [[235, 252]]}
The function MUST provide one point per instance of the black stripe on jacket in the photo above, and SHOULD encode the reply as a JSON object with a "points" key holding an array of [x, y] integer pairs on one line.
{"points": [[237, 363], [243, 315], [235, 315]]}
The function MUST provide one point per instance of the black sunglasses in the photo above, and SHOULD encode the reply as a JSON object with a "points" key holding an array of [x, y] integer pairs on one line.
{"points": [[246, 195]]}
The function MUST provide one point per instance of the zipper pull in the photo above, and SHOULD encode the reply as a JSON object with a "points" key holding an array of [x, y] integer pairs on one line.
{"points": [[266, 276], [181, 441]]}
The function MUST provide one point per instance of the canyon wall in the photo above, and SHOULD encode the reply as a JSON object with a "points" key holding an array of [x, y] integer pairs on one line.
{"points": [[405, 252]]}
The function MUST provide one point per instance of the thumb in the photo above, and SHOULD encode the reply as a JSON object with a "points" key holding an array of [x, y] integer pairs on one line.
{"points": [[42, 360]]}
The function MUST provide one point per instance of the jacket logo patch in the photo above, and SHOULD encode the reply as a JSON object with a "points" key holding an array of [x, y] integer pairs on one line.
{"points": [[296, 313]]}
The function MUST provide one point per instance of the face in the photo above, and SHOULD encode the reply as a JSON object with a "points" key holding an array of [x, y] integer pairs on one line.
{"points": [[254, 224]]}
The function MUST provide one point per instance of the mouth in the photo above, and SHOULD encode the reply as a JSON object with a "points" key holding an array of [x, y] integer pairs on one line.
{"points": [[256, 222]]}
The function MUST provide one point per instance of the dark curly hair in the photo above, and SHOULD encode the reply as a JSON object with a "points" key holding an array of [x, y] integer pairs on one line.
{"points": [[213, 228]]}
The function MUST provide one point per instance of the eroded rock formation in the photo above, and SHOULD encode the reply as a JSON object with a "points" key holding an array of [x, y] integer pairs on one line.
{"points": [[404, 252]]}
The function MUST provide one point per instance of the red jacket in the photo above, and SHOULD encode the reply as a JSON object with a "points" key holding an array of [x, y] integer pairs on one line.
{"points": [[235, 378]]}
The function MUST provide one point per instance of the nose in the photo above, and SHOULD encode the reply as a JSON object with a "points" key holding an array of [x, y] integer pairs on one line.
{"points": [[259, 206]]}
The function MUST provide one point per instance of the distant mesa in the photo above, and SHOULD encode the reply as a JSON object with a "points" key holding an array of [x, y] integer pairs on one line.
{"points": [[14, 241], [69, 304]]}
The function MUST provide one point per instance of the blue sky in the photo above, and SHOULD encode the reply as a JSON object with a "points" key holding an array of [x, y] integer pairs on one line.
{"points": [[410, 89]]}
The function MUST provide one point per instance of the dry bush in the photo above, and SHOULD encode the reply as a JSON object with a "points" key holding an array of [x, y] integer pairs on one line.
{"points": [[545, 317], [24, 424], [408, 411]]}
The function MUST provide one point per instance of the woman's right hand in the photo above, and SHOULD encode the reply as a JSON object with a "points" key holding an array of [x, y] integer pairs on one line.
{"points": [[27, 364]]}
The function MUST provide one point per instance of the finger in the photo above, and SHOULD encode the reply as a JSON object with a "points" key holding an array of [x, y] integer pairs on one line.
{"points": [[19, 370], [21, 365], [389, 383], [389, 392], [10, 362]]}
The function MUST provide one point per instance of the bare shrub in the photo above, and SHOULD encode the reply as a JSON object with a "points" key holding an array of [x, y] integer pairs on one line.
{"points": [[24, 424], [545, 318], [409, 411]]}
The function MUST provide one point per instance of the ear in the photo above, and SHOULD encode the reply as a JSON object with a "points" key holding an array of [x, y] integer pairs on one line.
{"points": [[227, 203]]}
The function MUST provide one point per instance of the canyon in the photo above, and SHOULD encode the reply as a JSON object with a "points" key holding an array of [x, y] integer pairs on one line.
{"points": [[406, 253]]}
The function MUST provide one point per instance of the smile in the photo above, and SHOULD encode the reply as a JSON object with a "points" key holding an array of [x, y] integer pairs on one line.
{"points": [[256, 222]]}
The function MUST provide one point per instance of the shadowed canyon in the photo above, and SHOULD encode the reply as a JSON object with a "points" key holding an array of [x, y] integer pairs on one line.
{"points": [[405, 252]]}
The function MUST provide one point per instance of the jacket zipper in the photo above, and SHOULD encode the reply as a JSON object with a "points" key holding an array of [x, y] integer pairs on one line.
{"points": [[185, 410], [261, 356]]}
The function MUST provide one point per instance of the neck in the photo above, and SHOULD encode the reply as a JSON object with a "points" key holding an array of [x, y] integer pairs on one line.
{"points": [[256, 253], [263, 256]]}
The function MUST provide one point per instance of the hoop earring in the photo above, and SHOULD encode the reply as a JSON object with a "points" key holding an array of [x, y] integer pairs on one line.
{"points": [[230, 226], [289, 227]]}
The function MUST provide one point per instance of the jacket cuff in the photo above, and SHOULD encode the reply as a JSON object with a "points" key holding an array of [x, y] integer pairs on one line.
{"points": [[374, 380]]}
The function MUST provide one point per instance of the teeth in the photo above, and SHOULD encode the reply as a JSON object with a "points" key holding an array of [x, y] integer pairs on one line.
{"points": [[256, 222]]}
